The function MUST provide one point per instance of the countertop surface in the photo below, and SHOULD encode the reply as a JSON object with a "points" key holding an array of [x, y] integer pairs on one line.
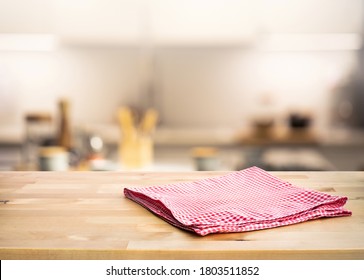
{"points": [[222, 136], [84, 215]]}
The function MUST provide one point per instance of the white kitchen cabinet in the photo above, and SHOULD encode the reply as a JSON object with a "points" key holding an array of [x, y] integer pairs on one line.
{"points": [[98, 22], [311, 16], [203, 22], [177, 22], [31, 16]]}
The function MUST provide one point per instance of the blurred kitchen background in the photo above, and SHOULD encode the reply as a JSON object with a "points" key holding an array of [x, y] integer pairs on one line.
{"points": [[179, 85]]}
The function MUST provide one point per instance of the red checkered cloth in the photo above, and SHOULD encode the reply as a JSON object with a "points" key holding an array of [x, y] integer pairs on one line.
{"points": [[246, 200]]}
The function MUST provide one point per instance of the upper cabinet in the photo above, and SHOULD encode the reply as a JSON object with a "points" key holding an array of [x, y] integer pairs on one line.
{"points": [[31, 16], [311, 16], [98, 22], [177, 22], [157, 22], [216, 22]]}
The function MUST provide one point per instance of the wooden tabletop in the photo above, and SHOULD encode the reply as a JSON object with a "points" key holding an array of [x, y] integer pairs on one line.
{"points": [[84, 215]]}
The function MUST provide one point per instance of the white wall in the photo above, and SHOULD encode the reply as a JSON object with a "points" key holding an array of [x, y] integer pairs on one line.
{"points": [[95, 80], [194, 87], [224, 87]]}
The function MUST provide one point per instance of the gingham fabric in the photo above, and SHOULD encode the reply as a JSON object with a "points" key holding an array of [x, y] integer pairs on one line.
{"points": [[246, 200]]}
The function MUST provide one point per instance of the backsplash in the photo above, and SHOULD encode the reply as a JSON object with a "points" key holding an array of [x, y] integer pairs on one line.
{"points": [[192, 87]]}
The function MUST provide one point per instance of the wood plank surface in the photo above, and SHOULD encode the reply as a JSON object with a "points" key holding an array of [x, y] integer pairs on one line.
{"points": [[84, 215]]}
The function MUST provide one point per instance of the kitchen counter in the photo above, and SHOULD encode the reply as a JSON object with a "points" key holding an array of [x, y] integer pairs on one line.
{"points": [[84, 215]]}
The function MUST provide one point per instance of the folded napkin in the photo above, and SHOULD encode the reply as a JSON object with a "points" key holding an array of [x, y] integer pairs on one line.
{"points": [[246, 200]]}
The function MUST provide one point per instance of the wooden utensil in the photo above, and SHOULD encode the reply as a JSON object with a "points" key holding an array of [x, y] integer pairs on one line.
{"points": [[126, 122], [149, 121]]}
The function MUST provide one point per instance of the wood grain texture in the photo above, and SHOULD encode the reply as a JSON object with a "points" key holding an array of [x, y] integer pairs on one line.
{"points": [[84, 215]]}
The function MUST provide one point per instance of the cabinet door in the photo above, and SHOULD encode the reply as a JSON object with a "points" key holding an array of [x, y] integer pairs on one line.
{"points": [[90, 22], [31, 16], [311, 16], [203, 22]]}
